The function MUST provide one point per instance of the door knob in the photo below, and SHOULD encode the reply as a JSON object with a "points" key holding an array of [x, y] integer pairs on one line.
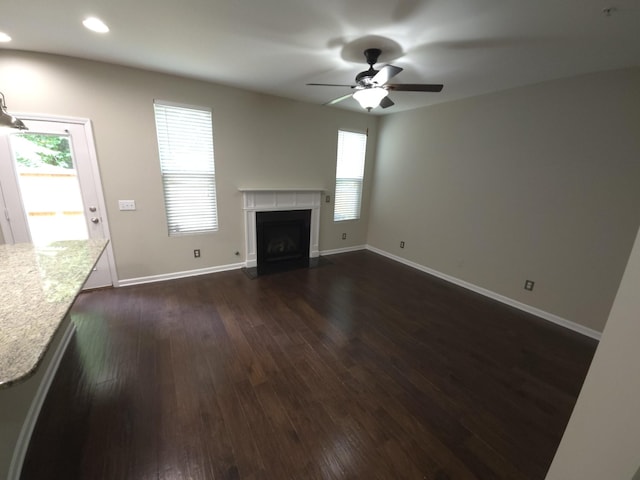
{"points": [[95, 219]]}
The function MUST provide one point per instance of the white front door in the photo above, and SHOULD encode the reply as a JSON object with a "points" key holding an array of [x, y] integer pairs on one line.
{"points": [[50, 188]]}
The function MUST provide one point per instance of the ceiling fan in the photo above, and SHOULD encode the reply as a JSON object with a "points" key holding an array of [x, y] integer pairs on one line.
{"points": [[371, 87]]}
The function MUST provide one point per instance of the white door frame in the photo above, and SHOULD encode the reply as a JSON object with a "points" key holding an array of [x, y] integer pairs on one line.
{"points": [[97, 184]]}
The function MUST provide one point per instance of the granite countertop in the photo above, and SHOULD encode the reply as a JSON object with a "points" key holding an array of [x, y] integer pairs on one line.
{"points": [[38, 285]]}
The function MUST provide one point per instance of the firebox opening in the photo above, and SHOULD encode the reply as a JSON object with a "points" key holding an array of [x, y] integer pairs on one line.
{"points": [[282, 240]]}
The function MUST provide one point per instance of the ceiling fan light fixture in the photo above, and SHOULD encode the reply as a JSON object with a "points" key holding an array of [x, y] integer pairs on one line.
{"points": [[8, 121], [369, 98]]}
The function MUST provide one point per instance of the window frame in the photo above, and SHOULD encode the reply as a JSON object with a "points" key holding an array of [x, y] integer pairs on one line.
{"points": [[178, 181], [341, 204]]}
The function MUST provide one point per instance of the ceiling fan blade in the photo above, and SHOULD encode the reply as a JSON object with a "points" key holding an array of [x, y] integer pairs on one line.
{"points": [[330, 85], [385, 74], [415, 87], [386, 102], [339, 99]]}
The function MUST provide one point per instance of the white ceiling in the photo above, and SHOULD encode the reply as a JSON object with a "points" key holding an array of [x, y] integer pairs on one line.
{"points": [[277, 46]]}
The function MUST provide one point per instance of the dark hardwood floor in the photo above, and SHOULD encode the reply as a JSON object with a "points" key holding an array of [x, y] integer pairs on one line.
{"points": [[361, 369]]}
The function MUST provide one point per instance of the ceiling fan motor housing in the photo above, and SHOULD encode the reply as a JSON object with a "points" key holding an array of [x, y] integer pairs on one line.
{"points": [[365, 77], [371, 54]]}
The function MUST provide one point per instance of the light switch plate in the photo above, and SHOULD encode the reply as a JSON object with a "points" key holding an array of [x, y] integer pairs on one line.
{"points": [[127, 204]]}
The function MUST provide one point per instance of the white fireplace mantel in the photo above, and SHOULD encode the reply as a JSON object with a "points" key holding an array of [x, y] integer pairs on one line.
{"points": [[270, 199]]}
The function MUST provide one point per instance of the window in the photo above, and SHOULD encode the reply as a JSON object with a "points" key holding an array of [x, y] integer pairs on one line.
{"points": [[349, 173], [185, 143]]}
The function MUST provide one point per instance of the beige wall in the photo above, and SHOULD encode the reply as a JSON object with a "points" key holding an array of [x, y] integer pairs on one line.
{"points": [[540, 183], [260, 141], [603, 435], [533, 183]]}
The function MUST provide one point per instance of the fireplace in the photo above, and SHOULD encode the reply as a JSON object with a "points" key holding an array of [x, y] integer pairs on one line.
{"points": [[275, 200], [282, 240]]}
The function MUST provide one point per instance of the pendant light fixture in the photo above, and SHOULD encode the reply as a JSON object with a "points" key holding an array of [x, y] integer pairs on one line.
{"points": [[370, 97], [7, 120]]}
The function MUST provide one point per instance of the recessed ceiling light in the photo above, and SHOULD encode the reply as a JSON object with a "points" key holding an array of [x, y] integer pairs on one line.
{"points": [[95, 25], [4, 37]]}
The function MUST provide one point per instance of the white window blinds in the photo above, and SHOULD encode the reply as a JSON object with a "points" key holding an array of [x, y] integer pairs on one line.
{"points": [[352, 148], [185, 143]]}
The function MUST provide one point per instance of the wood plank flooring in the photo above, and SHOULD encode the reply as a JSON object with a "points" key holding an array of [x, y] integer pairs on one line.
{"points": [[361, 369]]}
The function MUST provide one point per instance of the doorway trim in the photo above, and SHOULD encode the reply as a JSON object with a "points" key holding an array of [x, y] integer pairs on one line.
{"points": [[97, 180]]}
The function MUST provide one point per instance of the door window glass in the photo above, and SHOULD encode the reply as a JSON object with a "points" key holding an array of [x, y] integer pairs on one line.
{"points": [[49, 187]]}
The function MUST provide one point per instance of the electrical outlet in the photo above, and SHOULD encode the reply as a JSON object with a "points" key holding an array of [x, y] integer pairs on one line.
{"points": [[327, 199], [196, 253], [127, 204], [401, 244], [528, 285], [344, 236]]}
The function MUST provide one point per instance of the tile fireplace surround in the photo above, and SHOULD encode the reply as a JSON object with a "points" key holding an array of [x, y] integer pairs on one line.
{"points": [[272, 199]]}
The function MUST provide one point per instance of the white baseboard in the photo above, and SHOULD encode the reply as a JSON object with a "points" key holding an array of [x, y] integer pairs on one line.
{"points": [[22, 444], [175, 275], [563, 322], [456, 281], [343, 250], [221, 268]]}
